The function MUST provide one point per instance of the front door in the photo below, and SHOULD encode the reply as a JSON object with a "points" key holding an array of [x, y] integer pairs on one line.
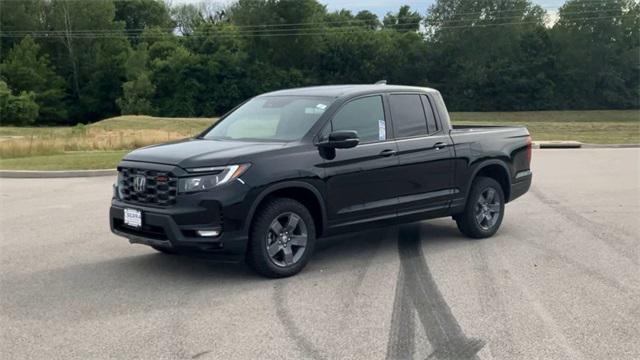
{"points": [[361, 181]]}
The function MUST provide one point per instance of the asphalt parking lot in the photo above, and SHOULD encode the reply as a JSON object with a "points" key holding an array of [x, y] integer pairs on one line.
{"points": [[560, 280]]}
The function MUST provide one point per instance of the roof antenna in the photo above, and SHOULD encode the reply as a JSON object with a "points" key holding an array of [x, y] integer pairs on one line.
{"points": [[381, 82]]}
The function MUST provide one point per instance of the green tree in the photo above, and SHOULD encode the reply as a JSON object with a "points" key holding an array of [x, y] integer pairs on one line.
{"points": [[18, 17], [476, 56], [18, 110], [339, 18], [597, 55], [27, 70], [276, 41], [368, 19], [344, 18], [404, 20], [187, 18], [90, 52], [138, 91], [178, 76], [143, 14]]}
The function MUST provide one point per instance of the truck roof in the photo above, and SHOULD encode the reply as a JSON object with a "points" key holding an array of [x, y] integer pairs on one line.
{"points": [[337, 91]]}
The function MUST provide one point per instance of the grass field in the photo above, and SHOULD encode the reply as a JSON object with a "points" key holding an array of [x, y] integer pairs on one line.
{"points": [[85, 160], [594, 127], [102, 144]]}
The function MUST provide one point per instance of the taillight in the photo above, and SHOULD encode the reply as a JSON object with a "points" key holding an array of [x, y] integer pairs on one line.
{"points": [[529, 146]]}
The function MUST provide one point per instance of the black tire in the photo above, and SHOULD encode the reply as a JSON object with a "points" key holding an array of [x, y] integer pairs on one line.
{"points": [[479, 220], [165, 250], [285, 245]]}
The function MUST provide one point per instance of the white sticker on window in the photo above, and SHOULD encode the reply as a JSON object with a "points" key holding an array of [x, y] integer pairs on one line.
{"points": [[311, 110], [382, 130], [321, 106]]}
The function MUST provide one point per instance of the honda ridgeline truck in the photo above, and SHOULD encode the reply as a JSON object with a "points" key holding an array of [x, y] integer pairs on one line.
{"points": [[287, 167]]}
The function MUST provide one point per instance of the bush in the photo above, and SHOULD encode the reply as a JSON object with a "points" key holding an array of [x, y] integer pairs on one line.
{"points": [[17, 110]]}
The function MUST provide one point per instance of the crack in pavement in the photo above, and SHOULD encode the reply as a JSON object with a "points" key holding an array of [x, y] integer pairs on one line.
{"points": [[417, 287]]}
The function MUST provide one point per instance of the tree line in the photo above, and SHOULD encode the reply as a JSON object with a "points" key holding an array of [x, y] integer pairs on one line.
{"points": [[70, 61]]}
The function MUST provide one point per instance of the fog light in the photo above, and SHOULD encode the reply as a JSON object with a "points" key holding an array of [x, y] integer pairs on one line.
{"points": [[208, 233]]}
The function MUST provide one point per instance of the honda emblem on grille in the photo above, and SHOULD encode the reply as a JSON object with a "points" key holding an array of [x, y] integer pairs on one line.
{"points": [[139, 183]]}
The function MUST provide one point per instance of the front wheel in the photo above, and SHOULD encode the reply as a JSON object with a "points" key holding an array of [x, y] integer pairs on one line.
{"points": [[282, 238], [484, 211]]}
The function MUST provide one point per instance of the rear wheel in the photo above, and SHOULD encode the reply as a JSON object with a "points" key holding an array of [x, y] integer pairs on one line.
{"points": [[282, 238], [484, 211]]}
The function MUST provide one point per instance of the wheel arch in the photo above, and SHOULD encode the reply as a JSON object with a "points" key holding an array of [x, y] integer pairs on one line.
{"points": [[301, 191], [497, 170]]}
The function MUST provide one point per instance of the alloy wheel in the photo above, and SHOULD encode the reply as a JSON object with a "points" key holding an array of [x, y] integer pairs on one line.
{"points": [[286, 239], [487, 209]]}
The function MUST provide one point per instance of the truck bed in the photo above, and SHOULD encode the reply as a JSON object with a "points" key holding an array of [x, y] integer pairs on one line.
{"points": [[487, 133], [484, 128]]}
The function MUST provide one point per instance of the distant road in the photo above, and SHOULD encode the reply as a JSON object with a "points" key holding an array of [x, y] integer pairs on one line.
{"points": [[560, 280]]}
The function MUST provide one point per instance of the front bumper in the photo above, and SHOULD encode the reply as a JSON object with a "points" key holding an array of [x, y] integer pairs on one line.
{"points": [[160, 229], [176, 226]]}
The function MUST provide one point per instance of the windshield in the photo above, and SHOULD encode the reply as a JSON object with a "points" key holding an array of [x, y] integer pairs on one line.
{"points": [[271, 118]]}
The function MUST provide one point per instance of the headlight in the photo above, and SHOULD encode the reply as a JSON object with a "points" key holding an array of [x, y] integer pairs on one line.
{"points": [[224, 175]]}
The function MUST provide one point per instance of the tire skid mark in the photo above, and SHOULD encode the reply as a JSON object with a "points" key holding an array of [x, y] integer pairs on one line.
{"points": [[581, 221], [586, 270], [418, 288], [307, 349], [553, 329], [287, 320], [402, 344], [594, 273], [491, 298], [361, 272]]}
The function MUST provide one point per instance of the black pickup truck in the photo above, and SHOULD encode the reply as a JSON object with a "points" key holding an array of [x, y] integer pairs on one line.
{"points": [[287, 167]]}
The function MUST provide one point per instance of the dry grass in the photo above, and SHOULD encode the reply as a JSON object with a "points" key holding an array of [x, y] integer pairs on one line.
{"points": [[121, 133]]}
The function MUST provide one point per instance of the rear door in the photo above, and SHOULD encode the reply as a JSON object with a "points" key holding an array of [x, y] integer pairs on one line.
{"points": [[425, 154], [362, 181]]}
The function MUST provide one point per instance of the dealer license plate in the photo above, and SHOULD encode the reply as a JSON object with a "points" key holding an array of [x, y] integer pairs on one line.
{"points": [[133, 217]]}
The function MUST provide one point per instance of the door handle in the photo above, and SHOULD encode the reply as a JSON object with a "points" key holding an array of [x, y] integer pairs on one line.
{"points": [[440, 145], [387, 152]]}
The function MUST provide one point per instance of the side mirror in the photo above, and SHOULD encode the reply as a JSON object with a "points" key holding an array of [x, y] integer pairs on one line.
{"points": [[343, 139]]}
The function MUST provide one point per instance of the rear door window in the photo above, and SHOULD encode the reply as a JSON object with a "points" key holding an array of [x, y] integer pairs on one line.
{"points": [[408, 115]]}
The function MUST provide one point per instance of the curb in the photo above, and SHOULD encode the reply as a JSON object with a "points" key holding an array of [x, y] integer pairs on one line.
{"points": [[30, 174], [577, 145], [557, 144], [611, 146]]}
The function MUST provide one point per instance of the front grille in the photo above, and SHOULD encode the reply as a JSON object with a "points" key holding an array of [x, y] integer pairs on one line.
{"points": [[160, 187]]}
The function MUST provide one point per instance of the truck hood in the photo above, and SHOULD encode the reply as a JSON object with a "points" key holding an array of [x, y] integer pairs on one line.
{"points": [[191, 153]]}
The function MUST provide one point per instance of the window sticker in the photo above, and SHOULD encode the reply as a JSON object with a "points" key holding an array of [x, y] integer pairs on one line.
{"points": [[319, 109], [382, 130], [313, 110]]}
